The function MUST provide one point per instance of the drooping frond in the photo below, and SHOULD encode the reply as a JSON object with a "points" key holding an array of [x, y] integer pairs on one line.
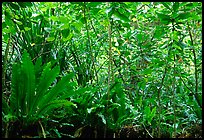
{"points": [[52, 94], [47, 77], [54, 104]]}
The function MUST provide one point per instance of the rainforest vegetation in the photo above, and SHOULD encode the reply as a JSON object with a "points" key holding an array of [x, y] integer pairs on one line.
{"points": [[101, 70]]}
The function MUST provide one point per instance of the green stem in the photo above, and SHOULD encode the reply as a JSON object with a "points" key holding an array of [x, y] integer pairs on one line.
{"points": [[195, 66]]}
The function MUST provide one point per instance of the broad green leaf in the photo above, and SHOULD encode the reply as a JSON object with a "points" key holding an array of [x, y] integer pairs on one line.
{"points": [[25, 4], [65, 33], [64, 26], [175, 6], [38, 68], [94, 4], [164, 18], [147, 71], [147, 111], [139, 37], [153, 113], [50, 39], [145, 3], [184, 15], [120, 16], [5, 30], [68, 38], [54, 18], [27, 29], [14, 6], [78, 25], [166, 4], [63, 19]]}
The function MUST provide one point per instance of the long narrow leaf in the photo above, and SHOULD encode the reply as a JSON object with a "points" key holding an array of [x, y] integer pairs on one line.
{"points": [[61, 86], [47, 78], [29, 81], [54, 104], [38, 68]]}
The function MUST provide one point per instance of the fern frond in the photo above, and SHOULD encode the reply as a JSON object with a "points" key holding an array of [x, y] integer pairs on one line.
{"points": [[58, 88], [46, 79], [54, 104]]}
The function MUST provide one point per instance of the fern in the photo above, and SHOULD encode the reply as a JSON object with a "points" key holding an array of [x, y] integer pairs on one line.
{"points": [[54, 104], [30, 100], [46, 79], [52, 94], [29, 81]]}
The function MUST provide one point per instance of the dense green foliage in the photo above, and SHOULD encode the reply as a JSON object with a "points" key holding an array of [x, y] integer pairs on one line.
{"points": [[96, 69]]}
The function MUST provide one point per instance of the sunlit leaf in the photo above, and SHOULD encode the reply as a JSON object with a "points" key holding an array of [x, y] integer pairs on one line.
{"points": [[50, 39], [27, 28]]}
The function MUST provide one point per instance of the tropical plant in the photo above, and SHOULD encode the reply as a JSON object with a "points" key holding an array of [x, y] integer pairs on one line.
{"points": [[137, 66], [33, 98]]}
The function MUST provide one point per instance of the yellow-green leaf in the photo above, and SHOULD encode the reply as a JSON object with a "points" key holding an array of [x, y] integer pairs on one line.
{"points": [[50, 39]]}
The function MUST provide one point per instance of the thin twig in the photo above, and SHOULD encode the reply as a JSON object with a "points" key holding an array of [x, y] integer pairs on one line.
{"points": [[43, 131], [147, 131], [40, 55]]}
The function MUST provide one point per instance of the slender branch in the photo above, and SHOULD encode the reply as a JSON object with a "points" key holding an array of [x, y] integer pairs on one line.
{"points": [[159, 104], [92, 54], [174, 88], [40, 55], [43, 131], [7, 130], [185, 84], [147, 131], [174, 106], [89, 41]]}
